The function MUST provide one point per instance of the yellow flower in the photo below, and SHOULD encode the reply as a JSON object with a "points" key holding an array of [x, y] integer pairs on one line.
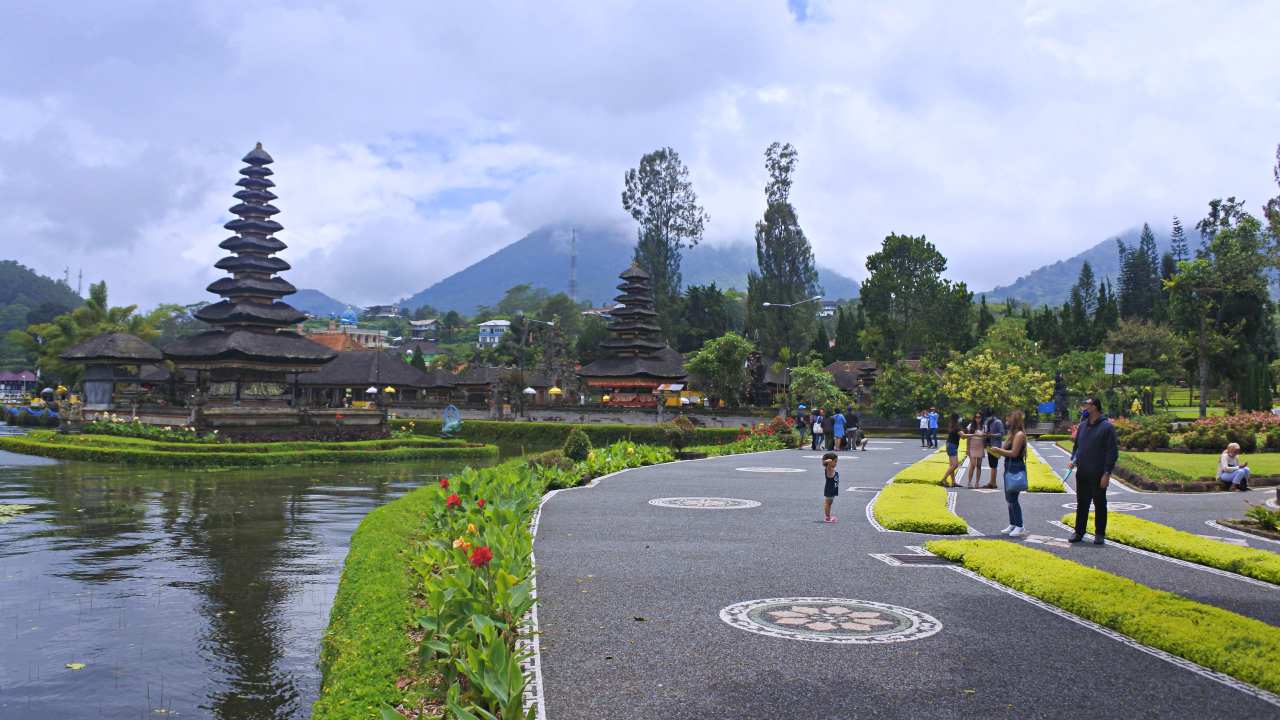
{"points": [[461, 544], [471, 528], [631, 450]]}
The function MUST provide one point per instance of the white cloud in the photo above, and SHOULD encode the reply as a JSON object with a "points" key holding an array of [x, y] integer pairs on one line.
{"points": [[414, 138]]}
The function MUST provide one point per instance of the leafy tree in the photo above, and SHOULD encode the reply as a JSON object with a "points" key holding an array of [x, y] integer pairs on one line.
{"points": [[822, 343], [812, 384], [1271, 211], [417, 360], [1045, 330], [1148, 345], [721, 366], [910, 308], [564, 312], [979, 380], [45, 341], [523, 298], [1077, 329], [1081, 370], [660, 197], [592, 334], [1220, 299], [985, 318], [1008, 342], [785, 261], [902, 390], [450, 324], [706, 312]]}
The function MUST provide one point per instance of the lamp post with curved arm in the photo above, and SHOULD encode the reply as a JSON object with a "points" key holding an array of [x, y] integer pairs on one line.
{"points": [[794, 352]]}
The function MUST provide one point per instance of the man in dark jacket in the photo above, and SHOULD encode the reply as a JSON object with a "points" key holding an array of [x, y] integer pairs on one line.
{"points": [[829, 429], [1093, 457]]}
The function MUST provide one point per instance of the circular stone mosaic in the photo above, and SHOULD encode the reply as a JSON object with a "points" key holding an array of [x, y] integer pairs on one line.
{"points": [[830, 620], [770, 470], [704, 503], [1117, 506]]}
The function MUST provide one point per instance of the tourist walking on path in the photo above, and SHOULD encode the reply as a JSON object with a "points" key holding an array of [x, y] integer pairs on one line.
{"points": [[1093, 457], [1015, 472], [995, 438], [923, 418], [829, 430], [837, 428], [817, 430], [832, 487], [977, 443], [857, 438], [802, 423], [1232, 472], [933, 427], [953, 451]]}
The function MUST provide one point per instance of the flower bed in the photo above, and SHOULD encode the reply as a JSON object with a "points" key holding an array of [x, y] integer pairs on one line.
{"points": [[133, 451], [138, 429], [1164, 540], [1218, 639], [1213, 434], [917, 508]]}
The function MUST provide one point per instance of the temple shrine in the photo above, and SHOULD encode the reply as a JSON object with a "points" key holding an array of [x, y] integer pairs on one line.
{"points": [[637, 361]]}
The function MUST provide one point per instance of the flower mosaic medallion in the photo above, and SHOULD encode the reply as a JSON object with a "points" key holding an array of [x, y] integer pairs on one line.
{"points": [[830, 620], [1117, 506], [704, 503], [770, 470]]}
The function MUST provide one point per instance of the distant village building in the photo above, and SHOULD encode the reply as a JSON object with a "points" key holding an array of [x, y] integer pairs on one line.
{"points": [[604, 312], [424, 329], [349, 336], [636, 360], [828, 308], [15, 385], [491, 332], [383, 311]]}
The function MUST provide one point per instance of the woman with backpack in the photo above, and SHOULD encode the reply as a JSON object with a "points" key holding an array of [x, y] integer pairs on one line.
{"points": [[817, 430]]}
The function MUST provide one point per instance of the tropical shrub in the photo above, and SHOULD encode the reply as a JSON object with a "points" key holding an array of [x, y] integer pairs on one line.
{"points": [[548, 435], [1213, 433], [576, 445], [1142, 433], [138, 429], [1266, 518]]}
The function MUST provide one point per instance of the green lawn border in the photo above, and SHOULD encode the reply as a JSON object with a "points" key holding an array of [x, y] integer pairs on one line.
{"points": [[1171, 542], [907, 507], [1217, 639], [230, 455], [538, 436]]}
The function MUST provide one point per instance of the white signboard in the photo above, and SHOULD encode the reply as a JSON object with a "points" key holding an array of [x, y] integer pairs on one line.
{"points": [[1113, 364]]}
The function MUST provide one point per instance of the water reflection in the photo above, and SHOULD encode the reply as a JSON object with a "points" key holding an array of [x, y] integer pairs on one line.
{"points": [[188, 594]]}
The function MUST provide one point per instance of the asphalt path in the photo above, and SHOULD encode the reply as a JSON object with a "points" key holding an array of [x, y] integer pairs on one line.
{"points": [[631, 594]]}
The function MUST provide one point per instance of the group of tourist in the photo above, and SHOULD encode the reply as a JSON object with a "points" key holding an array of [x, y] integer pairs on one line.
{"points": [[831, 429]]}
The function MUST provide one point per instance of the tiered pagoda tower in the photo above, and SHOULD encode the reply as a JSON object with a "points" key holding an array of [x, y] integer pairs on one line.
{"points": [[249, 342], [637, 360]]}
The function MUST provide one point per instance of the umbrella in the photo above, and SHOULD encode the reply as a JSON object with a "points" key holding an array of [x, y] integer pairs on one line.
{"points": [[555, 391], [529, 391], [371, 391], [389, 389]]}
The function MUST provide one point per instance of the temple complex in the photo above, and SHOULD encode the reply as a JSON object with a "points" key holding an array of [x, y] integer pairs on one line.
{"points": [[637, 360]]}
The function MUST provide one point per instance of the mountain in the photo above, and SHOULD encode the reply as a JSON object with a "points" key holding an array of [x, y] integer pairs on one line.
{"points": [[27, 297], [1051, 284], [316, 303], [541, 259]]}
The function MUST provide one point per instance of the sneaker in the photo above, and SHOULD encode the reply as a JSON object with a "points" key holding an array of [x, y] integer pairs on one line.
{"points": [[1099, 540], [1007, 530], [1075, 538], [1017, 532], [833, 519]]}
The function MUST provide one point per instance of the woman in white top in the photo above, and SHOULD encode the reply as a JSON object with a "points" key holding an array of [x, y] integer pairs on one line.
{"points": [[1232, 472]]}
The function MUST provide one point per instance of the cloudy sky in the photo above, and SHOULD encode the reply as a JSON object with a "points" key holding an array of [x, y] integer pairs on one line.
{"points": [[412, 138]]}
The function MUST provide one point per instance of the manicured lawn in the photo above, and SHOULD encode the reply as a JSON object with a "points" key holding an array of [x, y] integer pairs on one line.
{"points": [[1205, 465], [1239, 646], [1164, 540], [917, 508]]}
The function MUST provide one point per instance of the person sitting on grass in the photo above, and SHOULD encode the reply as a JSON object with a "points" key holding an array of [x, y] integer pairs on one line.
{"points": [[1232, 472], [832, 487]]}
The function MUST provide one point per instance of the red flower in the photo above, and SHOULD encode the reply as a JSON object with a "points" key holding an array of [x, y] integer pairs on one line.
{"points": [[444, 482], [480, 503], [453, 501], [481, 556]]}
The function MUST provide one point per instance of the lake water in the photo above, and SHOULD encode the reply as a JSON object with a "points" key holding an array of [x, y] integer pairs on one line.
{"points": [[185, 594]]}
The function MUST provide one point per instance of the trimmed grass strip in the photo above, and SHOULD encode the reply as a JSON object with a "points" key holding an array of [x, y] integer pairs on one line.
{"points": [[1164, 540], [917, 508], [1218, 639]]}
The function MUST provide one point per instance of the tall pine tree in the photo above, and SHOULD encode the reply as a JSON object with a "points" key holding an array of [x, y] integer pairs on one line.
{"points": [[659, 195], [985, 318], [1178, 242], [1086, 283], [1141, 295], [786, 269]]}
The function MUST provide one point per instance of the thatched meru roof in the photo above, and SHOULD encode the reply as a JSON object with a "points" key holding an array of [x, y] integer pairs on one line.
{"points": [[373, 367], [665, 364], [635, 347], [115, 348], [225, 347]]}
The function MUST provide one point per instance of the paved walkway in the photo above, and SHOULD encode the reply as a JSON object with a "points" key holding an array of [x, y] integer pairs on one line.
{"points": [[642, 616]]}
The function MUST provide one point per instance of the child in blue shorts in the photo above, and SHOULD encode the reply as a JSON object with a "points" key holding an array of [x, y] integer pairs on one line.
{"points": [[832, 487]]}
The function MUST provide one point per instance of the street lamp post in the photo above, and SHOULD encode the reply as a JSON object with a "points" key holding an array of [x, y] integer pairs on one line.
{"points": [[787, 371]]}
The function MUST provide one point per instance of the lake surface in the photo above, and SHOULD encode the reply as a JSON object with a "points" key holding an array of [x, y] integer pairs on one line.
{"points": [[185, 594]]}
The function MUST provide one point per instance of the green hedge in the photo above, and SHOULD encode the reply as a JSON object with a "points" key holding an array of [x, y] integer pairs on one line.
{"points": [[230, 456], [131, 443], [917, 508], [1130, 466], [549, 435], [1218, 639], [1164, 540], [1055, 437]]}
